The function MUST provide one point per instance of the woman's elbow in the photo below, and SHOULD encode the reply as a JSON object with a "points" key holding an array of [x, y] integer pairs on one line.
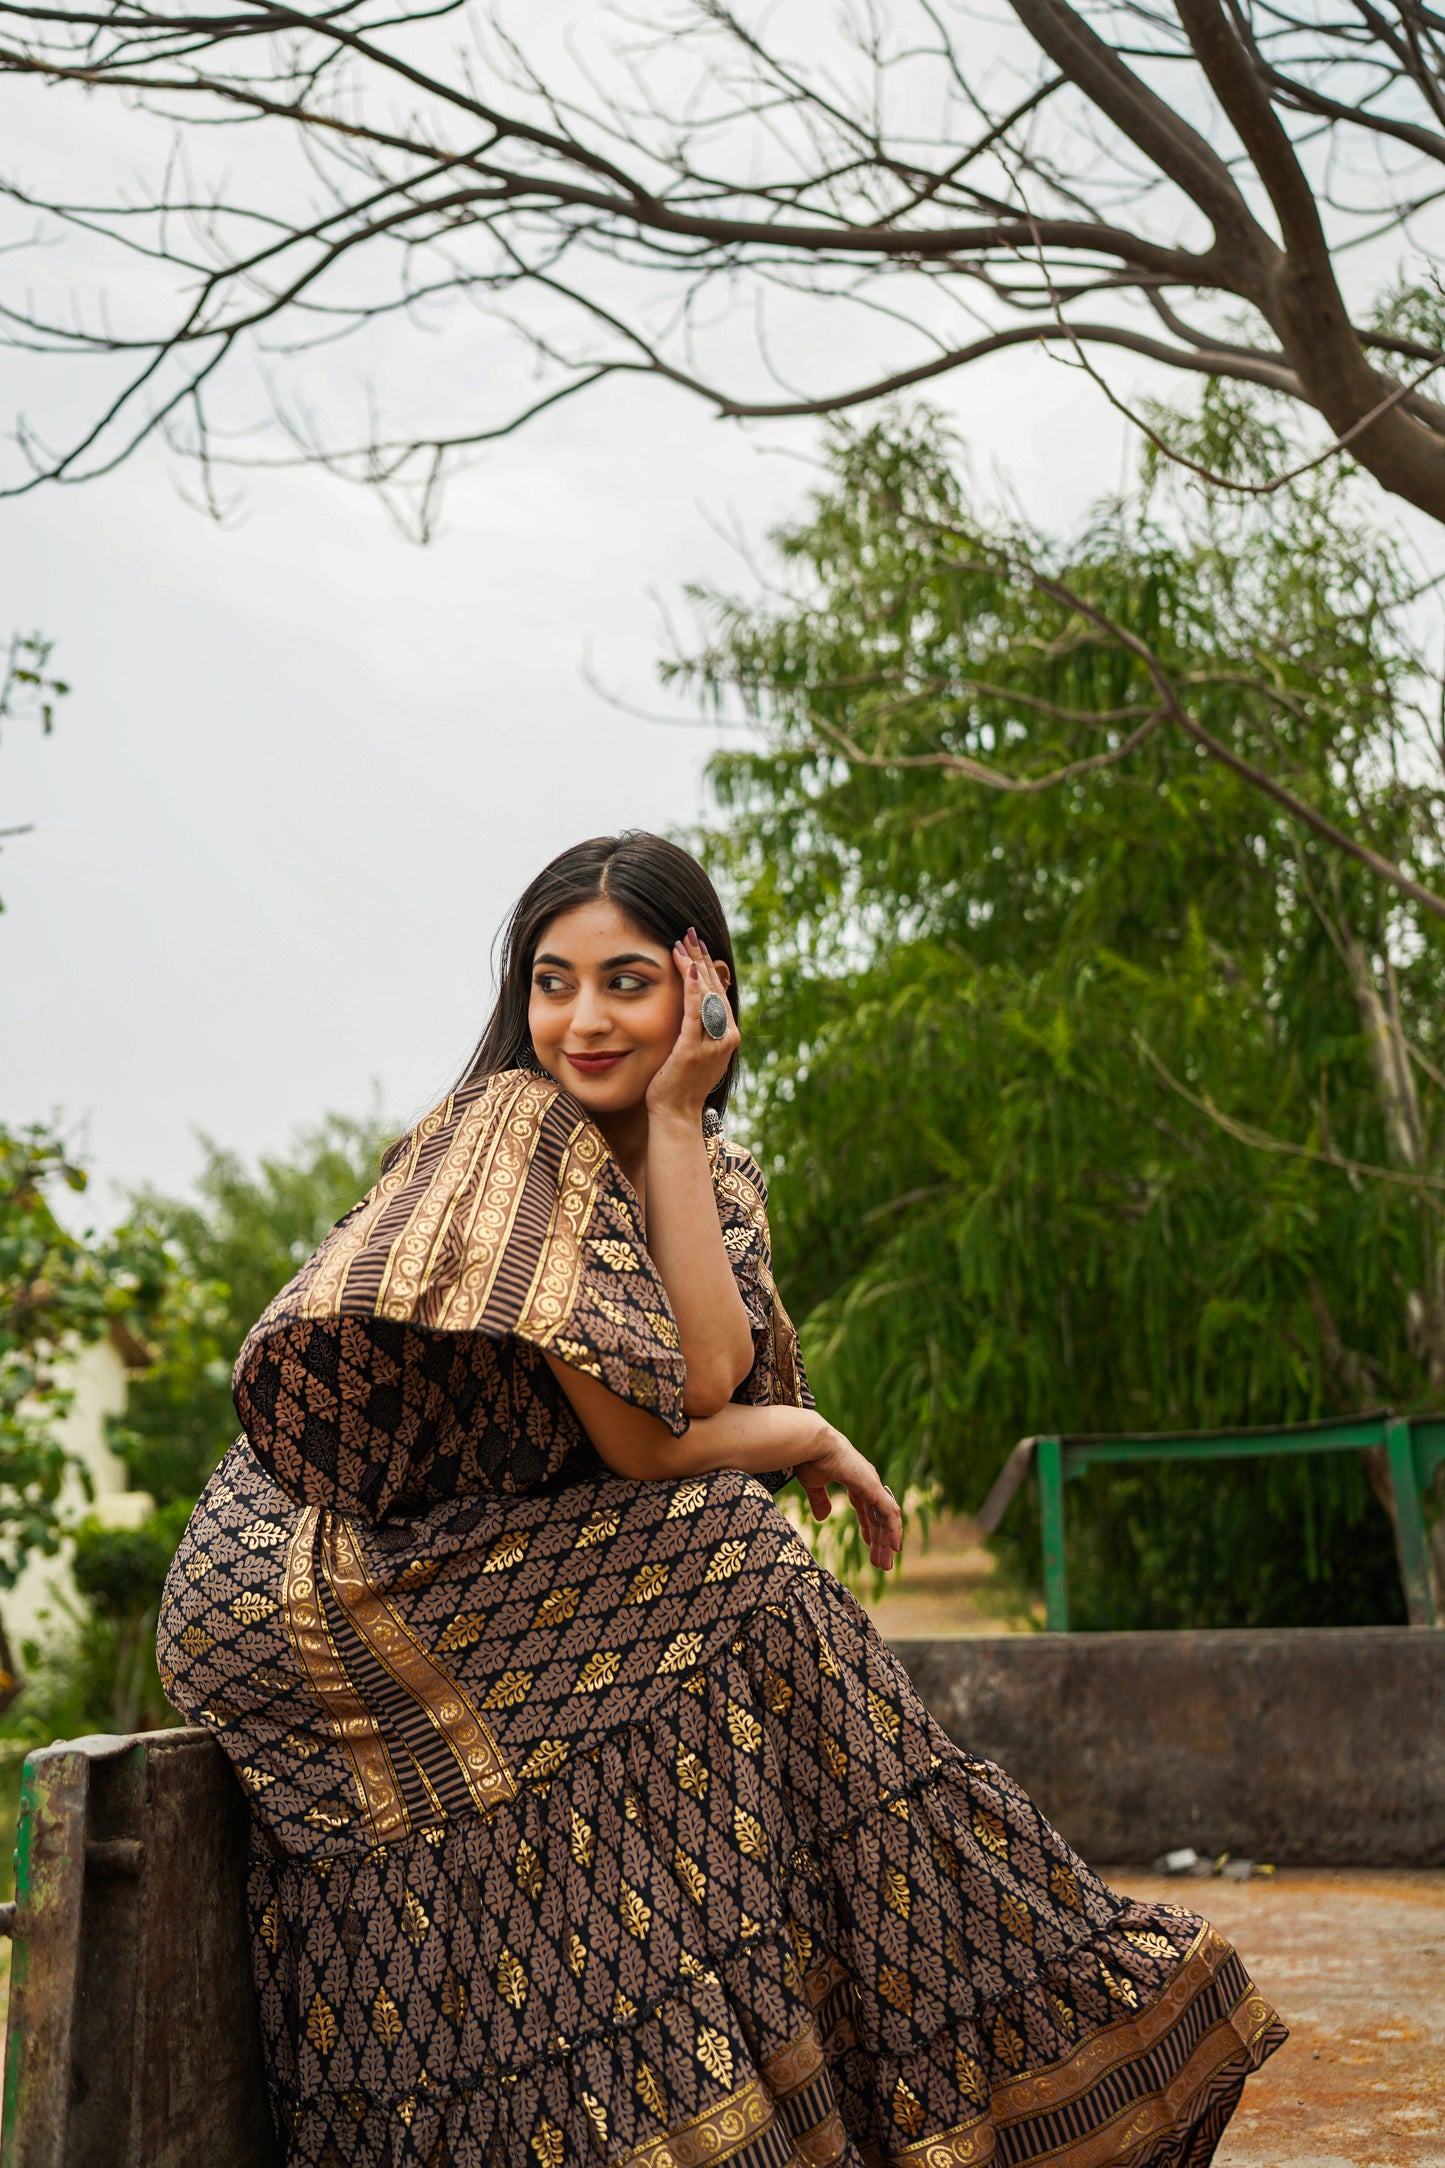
{"points": [[709, 1387]]}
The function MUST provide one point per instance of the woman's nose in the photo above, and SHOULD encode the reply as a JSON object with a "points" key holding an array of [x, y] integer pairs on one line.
{"points": [[591, 1012]]}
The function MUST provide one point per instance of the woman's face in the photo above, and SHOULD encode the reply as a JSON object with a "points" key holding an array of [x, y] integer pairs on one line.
{"points": [[605, 1007]]}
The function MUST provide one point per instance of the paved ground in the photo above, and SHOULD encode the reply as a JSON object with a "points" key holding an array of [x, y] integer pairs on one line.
{"points": [[1355, 1965], [946, 1585]]}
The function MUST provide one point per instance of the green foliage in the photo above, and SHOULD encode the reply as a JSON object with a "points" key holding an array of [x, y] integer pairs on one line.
{"points": [[1002, 1040], [57, 1292], [234, 1246]]}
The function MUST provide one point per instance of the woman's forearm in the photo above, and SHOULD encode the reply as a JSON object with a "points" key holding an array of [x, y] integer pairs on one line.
{"points": [[684, 1237], [633, 1444]]}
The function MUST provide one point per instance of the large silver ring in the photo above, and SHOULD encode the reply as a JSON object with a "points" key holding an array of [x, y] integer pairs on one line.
{"points": [[715, 1013]]}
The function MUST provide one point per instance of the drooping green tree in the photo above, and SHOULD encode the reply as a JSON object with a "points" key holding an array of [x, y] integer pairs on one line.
{"points": [[1108, 1098]]}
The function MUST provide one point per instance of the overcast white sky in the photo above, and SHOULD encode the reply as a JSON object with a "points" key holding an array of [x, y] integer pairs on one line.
{"points": [[307, 766]]}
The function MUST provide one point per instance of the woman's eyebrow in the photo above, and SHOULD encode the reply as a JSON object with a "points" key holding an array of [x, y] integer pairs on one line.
{"points": [[633, 956]]}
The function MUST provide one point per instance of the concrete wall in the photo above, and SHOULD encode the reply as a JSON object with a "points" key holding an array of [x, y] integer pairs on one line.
{"points": [[1323, 1748]]}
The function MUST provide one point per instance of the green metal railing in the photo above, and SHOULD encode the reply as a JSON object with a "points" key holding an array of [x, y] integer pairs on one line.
{"points": [[1414, 1445]]}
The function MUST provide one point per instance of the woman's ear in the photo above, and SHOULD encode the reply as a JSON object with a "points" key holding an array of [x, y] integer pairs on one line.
{"points": [[722, 971]]}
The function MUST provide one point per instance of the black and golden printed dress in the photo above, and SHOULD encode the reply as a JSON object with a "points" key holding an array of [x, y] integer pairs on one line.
{"points": [[594, 1825]]}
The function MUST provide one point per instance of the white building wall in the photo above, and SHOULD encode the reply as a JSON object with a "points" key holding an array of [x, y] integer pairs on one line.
{"points": [[97, 1379]]}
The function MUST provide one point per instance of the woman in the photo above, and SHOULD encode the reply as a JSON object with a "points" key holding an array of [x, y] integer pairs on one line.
{"points": [[592, 1820]]}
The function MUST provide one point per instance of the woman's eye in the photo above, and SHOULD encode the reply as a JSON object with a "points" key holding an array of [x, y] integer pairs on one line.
{"points": [[627, 982], [547, 982]]}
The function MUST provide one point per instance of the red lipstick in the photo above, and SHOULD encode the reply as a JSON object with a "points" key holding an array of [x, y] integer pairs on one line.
{"points": [[595, 1064]]}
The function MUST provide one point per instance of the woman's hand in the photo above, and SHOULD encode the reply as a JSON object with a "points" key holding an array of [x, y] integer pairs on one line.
{"points": [[831, 1459], [697, 1062]]}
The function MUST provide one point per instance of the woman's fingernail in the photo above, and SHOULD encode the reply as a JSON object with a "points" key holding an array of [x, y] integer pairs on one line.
{"points": [[692, 971]]}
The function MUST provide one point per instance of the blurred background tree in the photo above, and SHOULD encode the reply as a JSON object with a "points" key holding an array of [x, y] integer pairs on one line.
{"points": [[234, 1244], [214, 1262], [1113, 1104]]}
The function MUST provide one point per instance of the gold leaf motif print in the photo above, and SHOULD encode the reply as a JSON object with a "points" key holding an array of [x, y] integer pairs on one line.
{"points": [[544, 1760], [908, 2109], [990, 1832], [726, 1560], [636, 1916], [647, 1582], [1120, 1989], [199, 1565], [617, 1256], [1152, 1945], [894, 1987], [776, 1691], [557, 1608], [752, 1838], [598, 1530], [454, 1997], [1065, 1888], [649, 2091], [896, 1893], [828, 1663], [548, 2145], [511, 1979], [462, 1632], [1016, 1918], [321, 2025], [686, 1499], [715, 2055], [747, 1732], [527, 1867], [196, 1641], [271, 1924], [835, 1761], [385, 2019], [945, 1859], [507, 1551], [1063, 2015], [576, 1952], [623, 2008], [511, 1688], [681, 1653], [597, 2117], [599, 1670], [664, 1327], [414, 1922], [250, 1607], [970, 2077], [802, 1941], [1007, 2045], [693, 1774], [583, 1840], [883, 1717], [691, 1876], [260, 1535]]}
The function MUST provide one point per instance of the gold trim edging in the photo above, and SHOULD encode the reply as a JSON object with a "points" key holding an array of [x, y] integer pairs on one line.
{"points": [[320, 1664], [714, 2135], [452, 1715]]}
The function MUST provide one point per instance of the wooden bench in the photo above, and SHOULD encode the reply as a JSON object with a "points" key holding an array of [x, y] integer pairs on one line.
{"points": [[133, 2039]]}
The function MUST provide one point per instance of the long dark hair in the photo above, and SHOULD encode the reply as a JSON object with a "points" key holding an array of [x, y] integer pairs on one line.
{"points": [[663, 888]]}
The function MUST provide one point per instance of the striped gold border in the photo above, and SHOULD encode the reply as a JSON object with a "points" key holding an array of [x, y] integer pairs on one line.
{"points": [[550, 1299], [713, 2135], [320, 1665], [323, 1294], [457, 1723]]}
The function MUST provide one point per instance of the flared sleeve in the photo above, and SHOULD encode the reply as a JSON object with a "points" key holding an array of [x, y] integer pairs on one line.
{"points": [[405, 1360], [777, 1377]]}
